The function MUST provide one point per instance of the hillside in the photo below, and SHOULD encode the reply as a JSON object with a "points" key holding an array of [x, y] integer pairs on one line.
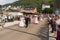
{"points": [[36, 3], [31, 2]]}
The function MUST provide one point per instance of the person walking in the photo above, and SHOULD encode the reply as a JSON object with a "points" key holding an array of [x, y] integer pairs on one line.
{"points": [[22, 21], [27, 21], [36, 19]]}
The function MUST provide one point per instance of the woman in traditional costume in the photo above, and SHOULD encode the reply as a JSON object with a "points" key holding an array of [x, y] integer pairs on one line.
{"points": [[22, 21], [36, 19]]}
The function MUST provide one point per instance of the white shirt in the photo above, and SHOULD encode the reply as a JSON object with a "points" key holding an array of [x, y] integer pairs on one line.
{"points": [[58, 21]]}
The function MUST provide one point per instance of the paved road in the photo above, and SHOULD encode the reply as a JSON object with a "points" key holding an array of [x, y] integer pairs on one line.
{"points": [[33, 32], [43, 32]]}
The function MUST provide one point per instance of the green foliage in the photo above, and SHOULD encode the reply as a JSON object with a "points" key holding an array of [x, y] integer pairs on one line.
{"points": [[51, 3], [48, 10]]}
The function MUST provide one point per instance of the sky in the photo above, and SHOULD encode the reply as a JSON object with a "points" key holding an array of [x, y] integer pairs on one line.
{"points": [[2, 2]]}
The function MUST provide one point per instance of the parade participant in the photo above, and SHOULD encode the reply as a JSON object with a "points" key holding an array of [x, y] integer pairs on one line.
{"points": [[36, 19], [22, 21], [27, 20], [58, 28]]}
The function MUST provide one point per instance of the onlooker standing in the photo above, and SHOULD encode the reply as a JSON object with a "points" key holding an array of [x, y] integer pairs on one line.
{"points": [[54, 27], [38, 17], [52, 24], [9, 18], [58, 28], [5, 18]]}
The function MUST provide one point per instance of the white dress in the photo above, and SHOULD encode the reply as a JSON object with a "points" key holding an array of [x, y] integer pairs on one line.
{"points": [[22, 22], [36, 20], [58, 21]]}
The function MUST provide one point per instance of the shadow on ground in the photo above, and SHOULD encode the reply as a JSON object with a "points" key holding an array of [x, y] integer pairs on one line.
{"points": [[26, 32], [42, 33]]}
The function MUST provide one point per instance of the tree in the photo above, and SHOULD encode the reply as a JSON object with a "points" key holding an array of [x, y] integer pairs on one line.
{"points": [[36, 3], [51, 2], [48, 10]]}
